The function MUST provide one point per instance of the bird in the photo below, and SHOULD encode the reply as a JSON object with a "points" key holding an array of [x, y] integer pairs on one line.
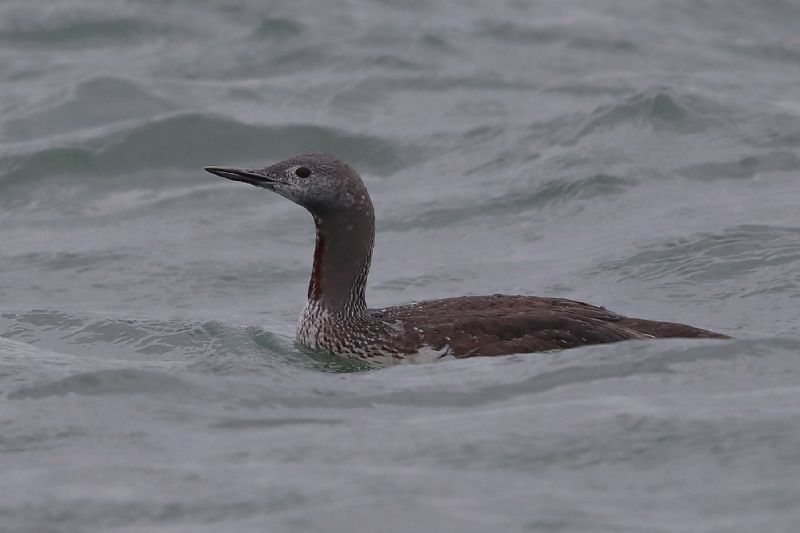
{"points": [[337, 321]]}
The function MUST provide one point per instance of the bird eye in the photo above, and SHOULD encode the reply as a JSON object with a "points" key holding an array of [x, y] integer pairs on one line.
{"points": [[302, 172]]}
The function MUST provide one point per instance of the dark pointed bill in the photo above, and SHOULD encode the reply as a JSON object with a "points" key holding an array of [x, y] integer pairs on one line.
{"points": [[239, 174]]}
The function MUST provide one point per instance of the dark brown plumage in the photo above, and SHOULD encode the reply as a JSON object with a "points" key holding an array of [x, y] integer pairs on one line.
{"points": [[504, 324]]}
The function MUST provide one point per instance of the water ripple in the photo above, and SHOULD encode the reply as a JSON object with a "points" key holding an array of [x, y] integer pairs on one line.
{"points": [[178, 141], [549, 193], [103, 382], [745, 167], [72, 30], [92, 103], [144, 340], [710, 258], [659, 108]]}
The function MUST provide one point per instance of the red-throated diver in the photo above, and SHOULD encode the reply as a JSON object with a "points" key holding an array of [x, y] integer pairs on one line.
{"points": [[336, 318]]}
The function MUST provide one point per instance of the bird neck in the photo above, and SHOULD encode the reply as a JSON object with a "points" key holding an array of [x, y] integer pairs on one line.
{"points": [[342, 258]]}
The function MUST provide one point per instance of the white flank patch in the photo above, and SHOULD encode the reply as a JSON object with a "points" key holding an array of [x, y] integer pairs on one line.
{"points": [[428, 354]]}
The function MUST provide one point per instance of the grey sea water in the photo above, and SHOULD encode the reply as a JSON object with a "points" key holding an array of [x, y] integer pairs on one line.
{"points": [[640, 155]]}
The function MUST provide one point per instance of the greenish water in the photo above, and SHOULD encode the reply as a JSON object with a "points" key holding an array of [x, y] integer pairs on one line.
{"points": [[644, 156]]}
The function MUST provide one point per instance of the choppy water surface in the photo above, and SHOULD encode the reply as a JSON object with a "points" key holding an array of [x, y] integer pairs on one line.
{"points": [[640, 155]]}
